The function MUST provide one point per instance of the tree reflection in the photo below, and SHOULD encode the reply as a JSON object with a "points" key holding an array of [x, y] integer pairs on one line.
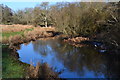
{"points": [[80, 59], [40, 47]]}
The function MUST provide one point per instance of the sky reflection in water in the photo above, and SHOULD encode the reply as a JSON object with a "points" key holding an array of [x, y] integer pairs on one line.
{"points": [[83, 62]]}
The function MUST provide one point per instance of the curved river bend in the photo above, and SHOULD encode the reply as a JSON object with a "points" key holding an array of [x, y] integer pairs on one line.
{"points": [[84, 62]]}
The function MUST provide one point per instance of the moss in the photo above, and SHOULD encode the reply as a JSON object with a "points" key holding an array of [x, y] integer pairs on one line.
{"points": [[11, 67]]}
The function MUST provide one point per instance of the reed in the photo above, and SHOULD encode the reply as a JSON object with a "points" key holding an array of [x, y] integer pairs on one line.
{"points": [[42, 71]]}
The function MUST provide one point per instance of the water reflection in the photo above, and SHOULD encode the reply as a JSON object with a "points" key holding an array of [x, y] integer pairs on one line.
{"points": [[84, 62]]}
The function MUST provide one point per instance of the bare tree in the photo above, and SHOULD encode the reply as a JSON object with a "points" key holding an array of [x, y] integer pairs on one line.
{"points": [[45, 6]]}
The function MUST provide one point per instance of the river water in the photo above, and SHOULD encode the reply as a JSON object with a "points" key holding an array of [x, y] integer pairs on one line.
{"points": [[73, 62]]}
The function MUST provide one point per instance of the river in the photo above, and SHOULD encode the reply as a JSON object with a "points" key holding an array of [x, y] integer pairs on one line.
{"points": [[72, 62]]}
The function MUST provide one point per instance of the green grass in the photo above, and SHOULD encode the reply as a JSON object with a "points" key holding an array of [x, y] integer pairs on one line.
{"points": [[12, 34], [15, 33], [30, 29], [11, 67]]}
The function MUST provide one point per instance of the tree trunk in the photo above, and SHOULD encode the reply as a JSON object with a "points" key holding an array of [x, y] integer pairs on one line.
{"points": [[45, 21]]}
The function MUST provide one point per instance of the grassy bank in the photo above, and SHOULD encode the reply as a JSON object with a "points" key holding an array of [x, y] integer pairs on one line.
{"points": [[11, 67]]}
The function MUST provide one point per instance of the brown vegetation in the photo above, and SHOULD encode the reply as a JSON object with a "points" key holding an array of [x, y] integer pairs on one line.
{"points": [[42, 71], [76, 41], [27, 36], [15, 39], [38, 32], [15, 28]]}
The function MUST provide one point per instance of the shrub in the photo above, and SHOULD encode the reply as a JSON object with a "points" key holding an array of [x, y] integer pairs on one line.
{"points": [[15, 39]]}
